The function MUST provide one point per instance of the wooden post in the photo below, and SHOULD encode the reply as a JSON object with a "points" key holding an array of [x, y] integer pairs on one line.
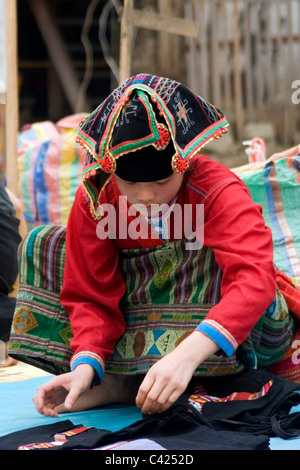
{"points": [[11, 98], [142, 19], [239, 119], [214, 53], [202, 66], [249, 92], [165, 57], [126, 41]]}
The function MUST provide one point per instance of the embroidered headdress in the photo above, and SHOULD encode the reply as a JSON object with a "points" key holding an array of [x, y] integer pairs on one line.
{"points": [[145, 112]]}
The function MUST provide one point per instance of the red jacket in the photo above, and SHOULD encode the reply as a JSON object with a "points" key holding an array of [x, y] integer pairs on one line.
{"points": [[233, 227]]}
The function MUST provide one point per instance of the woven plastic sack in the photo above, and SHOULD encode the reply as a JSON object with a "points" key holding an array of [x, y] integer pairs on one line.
{"points": [[276, 186], [49, 166]]}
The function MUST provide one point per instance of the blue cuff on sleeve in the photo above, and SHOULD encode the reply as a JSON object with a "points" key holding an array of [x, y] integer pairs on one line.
{"points": [[92, 362], [217, 337]]}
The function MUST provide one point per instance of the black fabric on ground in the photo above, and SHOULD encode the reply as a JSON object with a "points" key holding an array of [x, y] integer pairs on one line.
{"points": [[234, 425], [43, 433], [176, 430], [267, 415], [280, 398]]}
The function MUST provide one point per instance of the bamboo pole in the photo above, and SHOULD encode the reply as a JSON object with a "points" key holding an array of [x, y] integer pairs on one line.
{"points": [[11, 98]]}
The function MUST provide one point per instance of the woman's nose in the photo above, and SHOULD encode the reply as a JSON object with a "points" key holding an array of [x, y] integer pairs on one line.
{"points": [[145, 194]]}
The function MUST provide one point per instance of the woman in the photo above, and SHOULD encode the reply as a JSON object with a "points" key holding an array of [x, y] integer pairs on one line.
{"points": [[151, 308]]}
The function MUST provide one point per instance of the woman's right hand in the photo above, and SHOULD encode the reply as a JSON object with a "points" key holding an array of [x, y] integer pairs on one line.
{"points": [[63, 390]]}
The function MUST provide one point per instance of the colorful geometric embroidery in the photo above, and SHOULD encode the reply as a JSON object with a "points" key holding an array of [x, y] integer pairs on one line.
{"points": [[163, 274], [24, 320], [66, 334], [163, 305], [198, 399], [59, 439]]}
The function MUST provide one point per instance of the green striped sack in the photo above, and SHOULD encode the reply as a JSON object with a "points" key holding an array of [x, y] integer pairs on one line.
{"points": [[41, 329]]}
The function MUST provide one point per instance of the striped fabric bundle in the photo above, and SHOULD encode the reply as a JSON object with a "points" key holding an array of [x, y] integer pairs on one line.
{"points": [[49, 165], [41, 329], [276, 186]]}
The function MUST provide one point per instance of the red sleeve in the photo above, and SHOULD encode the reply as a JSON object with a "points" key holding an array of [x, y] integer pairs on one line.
{"points": [[92, 289], [235, 230]]}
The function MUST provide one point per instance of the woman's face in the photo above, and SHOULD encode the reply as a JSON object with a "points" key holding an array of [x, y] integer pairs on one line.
{"points": [[147, 194]]}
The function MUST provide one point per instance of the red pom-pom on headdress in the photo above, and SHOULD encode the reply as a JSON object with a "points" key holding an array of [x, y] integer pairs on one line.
{"points": [[164, 138], [108, 164], [179, 165]]}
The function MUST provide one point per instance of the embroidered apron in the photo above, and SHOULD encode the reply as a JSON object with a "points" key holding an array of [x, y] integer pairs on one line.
{"points": [[169, 291]]}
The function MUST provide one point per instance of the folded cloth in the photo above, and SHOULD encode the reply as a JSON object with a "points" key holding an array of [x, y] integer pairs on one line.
{"points": [[176, 429], [254, 401]]}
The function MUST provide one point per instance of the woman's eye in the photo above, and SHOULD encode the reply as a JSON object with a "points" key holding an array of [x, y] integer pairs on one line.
{"points": [[162, 182]]}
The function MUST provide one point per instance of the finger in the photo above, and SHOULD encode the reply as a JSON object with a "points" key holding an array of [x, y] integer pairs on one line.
{"points": [[165, 400], [150, 404], [71, 400], [39, 399], [47, 410], [162, 401], [75, 392], [143, 391], [46, 390], [42, 407], [46, 399]]}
